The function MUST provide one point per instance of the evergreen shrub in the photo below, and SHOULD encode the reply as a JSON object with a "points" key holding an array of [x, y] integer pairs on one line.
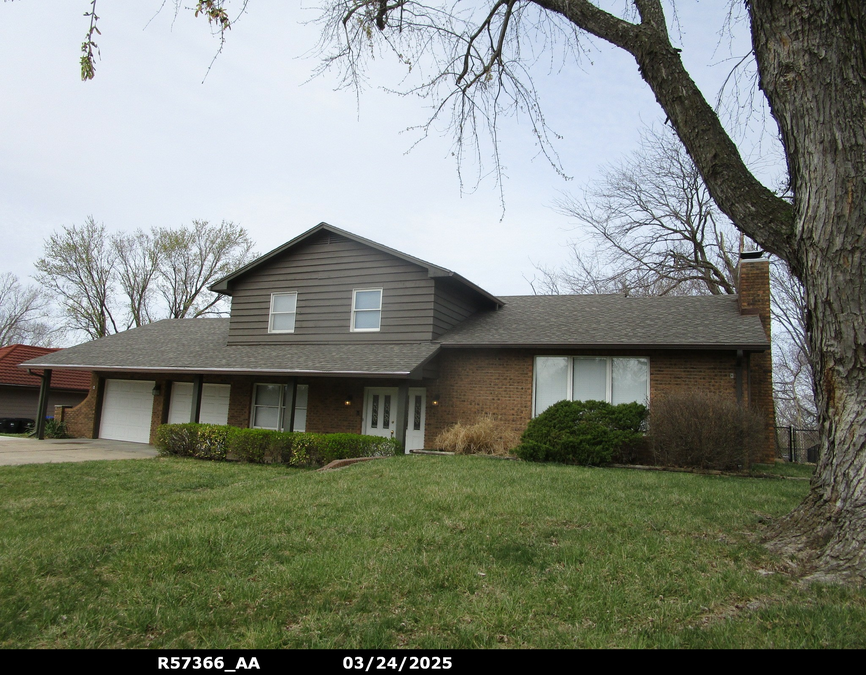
{"points": [[581, 432]]}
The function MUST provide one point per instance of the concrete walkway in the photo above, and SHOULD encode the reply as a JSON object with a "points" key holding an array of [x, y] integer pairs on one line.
{"points": [[15, 451]]}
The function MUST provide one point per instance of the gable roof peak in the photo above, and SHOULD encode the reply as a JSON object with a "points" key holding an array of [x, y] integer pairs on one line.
{"points": [[224, 285]]}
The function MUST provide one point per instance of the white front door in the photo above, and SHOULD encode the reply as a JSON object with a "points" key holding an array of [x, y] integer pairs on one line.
{"points": [[417, 413], [380, 414], [380, 411]]}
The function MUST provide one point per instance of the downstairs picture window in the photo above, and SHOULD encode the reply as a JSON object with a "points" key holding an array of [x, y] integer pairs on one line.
{"points": [[272, 405], [612, 379]]}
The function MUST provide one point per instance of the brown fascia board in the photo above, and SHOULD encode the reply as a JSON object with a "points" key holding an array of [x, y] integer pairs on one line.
{"points": [[234, 371], [36, 386], [615, 346], [222, 286]]}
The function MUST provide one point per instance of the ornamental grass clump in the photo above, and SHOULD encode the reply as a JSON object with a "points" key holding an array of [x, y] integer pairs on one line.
{"points": [[582, 432], [485, 436]]}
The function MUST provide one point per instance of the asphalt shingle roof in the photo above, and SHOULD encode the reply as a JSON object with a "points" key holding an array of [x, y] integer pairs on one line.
{"points": [[196, 345], [575, 321], [696, 322]]}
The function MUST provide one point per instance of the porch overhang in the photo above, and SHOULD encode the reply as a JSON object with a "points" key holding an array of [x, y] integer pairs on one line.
{"points": [[198, 346]]}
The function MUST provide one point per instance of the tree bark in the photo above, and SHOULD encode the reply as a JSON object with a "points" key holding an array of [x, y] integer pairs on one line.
{"points": [[812, 65]]}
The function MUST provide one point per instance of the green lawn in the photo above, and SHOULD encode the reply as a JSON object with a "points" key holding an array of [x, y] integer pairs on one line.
{"points": [[428, 552]]}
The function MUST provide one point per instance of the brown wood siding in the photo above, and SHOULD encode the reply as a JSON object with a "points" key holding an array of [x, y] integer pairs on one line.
{"points": [[451, 307], [323, 271], [24, 401]]}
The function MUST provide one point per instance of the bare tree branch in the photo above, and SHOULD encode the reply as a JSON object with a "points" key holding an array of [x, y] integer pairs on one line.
{"points": [[190, 259], [23, 310], [137, 264], [139, 277], [78, 267], [651, 227]]}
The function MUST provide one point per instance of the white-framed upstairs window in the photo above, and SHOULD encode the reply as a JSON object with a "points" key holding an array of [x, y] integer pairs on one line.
{"points": [[613, 379], [366, 310], [284, 308]]}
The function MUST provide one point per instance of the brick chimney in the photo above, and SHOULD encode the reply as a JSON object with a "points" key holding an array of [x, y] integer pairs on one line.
{"points": [[753, 288]]}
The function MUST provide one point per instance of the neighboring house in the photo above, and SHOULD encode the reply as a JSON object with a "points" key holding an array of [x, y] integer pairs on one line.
{"points": [[332, 332], [19, 390]]}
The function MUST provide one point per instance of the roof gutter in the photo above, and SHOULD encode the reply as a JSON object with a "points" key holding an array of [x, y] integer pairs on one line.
{"points": [[727, 346], [233, 371]]}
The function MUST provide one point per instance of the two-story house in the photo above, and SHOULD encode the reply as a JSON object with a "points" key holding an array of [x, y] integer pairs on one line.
{"points": [[332, 332]]}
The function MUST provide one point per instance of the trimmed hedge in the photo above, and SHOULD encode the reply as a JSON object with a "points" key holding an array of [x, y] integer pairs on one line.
{"points": [[581, 432], [260, 446], [202, 441]]}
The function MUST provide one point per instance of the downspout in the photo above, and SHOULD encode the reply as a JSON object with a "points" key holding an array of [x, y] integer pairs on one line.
{"points": [[738, 377]]}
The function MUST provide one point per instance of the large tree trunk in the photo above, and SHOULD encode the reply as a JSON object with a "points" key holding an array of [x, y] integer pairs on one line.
{"points": [[812, 64]]}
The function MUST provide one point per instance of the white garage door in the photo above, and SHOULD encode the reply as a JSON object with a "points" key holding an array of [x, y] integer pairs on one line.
{"points": [[214, 403], [126, 410]]}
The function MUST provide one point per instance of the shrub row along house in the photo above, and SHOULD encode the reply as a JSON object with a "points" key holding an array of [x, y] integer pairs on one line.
{"points": [[332, 332]]}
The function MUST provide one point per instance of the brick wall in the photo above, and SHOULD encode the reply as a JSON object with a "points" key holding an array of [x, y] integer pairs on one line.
{"points": [[474, 382], [682, 371], [80, 419], [327, 411], [240, 402]]}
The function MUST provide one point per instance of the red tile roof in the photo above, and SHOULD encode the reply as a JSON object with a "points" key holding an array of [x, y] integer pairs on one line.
{"points": [[10, 373]]}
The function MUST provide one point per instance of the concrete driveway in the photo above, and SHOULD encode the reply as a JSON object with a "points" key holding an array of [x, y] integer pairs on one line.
{"points": [[53, 450]]}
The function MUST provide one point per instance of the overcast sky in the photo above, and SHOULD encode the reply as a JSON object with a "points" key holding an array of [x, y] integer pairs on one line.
{"points": [[148, 142]]}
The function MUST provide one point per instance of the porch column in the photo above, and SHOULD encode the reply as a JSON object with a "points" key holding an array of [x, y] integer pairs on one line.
{"points": [[402, 417], [289, 408], [195, 410], [43, 403]]}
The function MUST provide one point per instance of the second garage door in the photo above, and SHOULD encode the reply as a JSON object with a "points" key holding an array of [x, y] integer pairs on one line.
{"points": [[214, 403]]}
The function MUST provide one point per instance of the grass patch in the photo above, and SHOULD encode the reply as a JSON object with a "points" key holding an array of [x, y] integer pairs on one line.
{"points": [[419, 552]]}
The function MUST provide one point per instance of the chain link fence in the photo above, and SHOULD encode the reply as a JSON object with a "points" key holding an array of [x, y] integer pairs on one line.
{"points": [[797, 445]]}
